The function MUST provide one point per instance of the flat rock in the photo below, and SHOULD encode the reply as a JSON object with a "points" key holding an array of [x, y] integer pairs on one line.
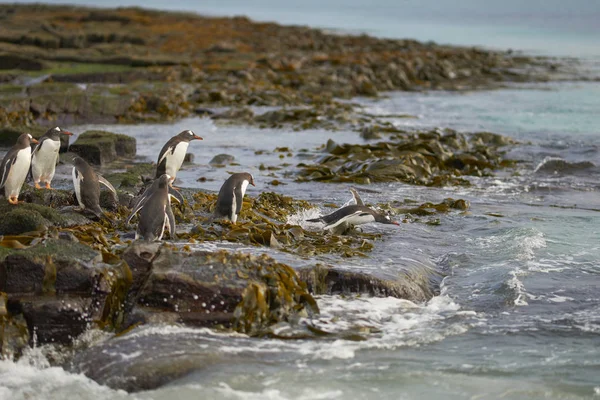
{"points": [[100, 147]]}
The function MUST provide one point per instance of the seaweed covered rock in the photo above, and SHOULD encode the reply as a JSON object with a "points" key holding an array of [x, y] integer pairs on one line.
{"points": [[434, 158], [61, 287], [28, 217], [100, 147], [242, 291]]}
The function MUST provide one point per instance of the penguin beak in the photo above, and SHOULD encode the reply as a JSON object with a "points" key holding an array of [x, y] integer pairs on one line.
{"points": [[395, 223], [197, 137], [67, 133], [252, 183], [34, 140]]}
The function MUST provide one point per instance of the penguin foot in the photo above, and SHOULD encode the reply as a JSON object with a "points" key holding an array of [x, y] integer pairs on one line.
{"points": [[13, 200], [48, 186], [37, 185]]}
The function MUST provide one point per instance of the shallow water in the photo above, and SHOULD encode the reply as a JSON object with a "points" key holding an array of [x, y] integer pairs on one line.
{"points": [[518, 315]]}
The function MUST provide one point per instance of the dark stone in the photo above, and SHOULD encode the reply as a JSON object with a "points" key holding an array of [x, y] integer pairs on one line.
{"points": [[222, 159], [99, 147], [14, 61]]}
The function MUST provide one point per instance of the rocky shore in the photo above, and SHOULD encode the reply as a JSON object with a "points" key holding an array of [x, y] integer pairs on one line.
{"points": [[63, 273]]}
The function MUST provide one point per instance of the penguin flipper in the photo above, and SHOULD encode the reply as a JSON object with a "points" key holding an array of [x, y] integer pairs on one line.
{"points": [[314, 220], [238, 198], [171, 223], [174, 193], [106, 183], [343, 220], [7, 163], [357, 198]]}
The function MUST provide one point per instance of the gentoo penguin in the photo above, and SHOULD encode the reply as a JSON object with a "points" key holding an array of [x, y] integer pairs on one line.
{"points": [[231, 195], [15, 167], [155, 211], [348, 217], [172, 154], [45, 156], [87, 186]]}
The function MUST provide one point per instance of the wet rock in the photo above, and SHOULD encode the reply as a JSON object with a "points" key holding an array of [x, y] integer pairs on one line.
{"points": [[560, 166], [61, 287], [221, 160], [14, 335], [416, 282], [15, 61], [237, 290], [100, 147]]}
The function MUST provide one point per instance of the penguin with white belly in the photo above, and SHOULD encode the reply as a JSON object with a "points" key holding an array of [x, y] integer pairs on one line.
{"points": [[231, 196], [172, 154], [87, 186], [45, 156], [155, 211], [15, 167], [346, 218]]}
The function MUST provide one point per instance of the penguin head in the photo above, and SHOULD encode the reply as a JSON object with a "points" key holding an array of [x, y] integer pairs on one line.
{"points": [[25, 140], [163, 180], [189, 135], [385, 219]]}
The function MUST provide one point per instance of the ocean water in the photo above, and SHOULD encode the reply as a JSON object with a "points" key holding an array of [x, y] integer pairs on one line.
{"points": [[518, 315]]}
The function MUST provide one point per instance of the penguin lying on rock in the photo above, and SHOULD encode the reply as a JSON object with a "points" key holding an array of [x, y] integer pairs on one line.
{"points": [[346, 218], [231, 196], [45, 156], [87, 187], [15, 167], [154, 206]]}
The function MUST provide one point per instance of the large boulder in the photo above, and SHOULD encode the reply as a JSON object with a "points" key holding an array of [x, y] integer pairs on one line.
{"points": [[100, 147], [28, 217], [61, 288], [245, 292]]}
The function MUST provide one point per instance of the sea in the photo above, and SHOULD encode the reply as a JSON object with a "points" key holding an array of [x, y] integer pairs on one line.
{"points": [[518, 312]]}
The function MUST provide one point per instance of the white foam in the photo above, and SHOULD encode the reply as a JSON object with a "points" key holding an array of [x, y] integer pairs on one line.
{"points": [[300, 217]]}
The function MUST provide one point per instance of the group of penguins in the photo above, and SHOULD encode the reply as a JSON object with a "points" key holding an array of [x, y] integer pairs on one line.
{"points": [[154, 204]]}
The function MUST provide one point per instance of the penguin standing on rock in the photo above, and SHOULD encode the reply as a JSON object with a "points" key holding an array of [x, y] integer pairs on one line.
{"points": [[45, 156], [340, 221], [15, 167], [231, 195], [155, 211], [172, 154], [87, 186]]}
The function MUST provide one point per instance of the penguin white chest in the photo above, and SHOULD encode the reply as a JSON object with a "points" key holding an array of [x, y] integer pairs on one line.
{"points": [[174, 159], [18, 172], [77, 179], [43, 163]]}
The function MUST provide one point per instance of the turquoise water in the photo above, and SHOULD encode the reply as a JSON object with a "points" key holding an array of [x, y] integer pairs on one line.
{"points": [[518, 316]]}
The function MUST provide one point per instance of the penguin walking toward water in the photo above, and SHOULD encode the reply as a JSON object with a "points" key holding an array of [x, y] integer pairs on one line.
{"points": [[172, 154], [87, 186], [45, 156], [15, 167], [344, 219], [155, 211], [231, 195]]}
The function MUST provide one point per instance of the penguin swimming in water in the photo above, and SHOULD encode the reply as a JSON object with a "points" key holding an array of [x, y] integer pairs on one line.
{"points": [[87, 186], [172, 154], [45, 156], [231, 195], [15, 167], [350, 216], [155, 211]]}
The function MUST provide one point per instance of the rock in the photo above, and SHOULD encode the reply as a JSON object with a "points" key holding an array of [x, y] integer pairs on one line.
{"points": [[29, 217], [416, 283], [222, 160], [237, 290], [61, 287], [189, 158], [15, 61], [100, 147]]}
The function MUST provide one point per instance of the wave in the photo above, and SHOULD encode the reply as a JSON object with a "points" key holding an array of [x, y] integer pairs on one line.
{"points": [[557, 165]]}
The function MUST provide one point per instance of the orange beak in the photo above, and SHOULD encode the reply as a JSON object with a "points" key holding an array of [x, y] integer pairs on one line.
{"points": [[197, 137], [33, 140], [67, 133]]}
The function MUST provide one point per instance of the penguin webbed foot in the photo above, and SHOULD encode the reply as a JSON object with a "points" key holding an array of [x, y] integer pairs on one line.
{"points": [[37, 185]]}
